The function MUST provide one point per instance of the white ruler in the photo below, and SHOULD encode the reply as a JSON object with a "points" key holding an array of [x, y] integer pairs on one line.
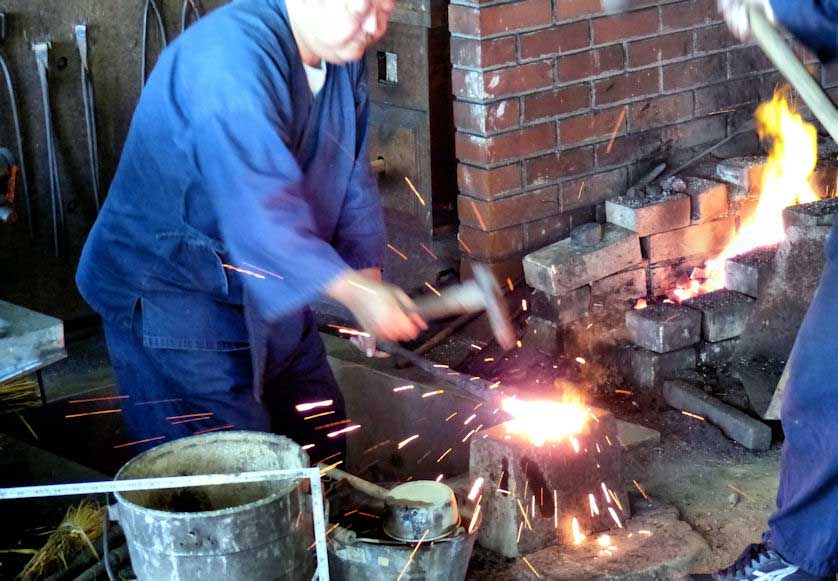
{"points": [[166, 482]]}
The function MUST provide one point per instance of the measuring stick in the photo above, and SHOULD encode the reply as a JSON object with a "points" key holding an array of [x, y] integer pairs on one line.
{"points": [[167, 482]]}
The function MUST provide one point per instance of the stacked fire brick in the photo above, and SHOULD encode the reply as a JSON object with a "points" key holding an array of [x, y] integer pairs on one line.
{"points": [[559, 107]]}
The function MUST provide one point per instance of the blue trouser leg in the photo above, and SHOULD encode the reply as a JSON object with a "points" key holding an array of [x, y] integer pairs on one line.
{"points": [[167, 386], [804, 529]]}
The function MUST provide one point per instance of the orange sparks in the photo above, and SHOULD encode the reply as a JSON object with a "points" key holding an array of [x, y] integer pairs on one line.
{"points": [[616, 130], [451, 416], [216, 429], [98, 399], [407, 441], [536, 573], [640, 489], [183, 417], [739, 492], [99, 413], [489, 359], [308, 447], [189, 421], [444, 454], [468, 419], [320, 415], [429, 251], [158, 401], [604, 541], [614, 516], [578, 537], [594, 507], [139, 442], [464, 245], [524, 305], [616, 499], [641, 304], [473, 522], [305, 407], [440, 366], [696, 416], [475, 488], [397, 251], [546, 420], [243, 271], [555, 510], [469, 435], [331, 467], [433, 290], [581, 360], [575, 443], [268, 272], [432, 393], [520, 530], [353, 332], [524, 512], [415, 191], [440, 477], [519, 344], [413, 554], [477, 214], [333, 424], [605, 493], [403, 388], [345, 430], [623, 392]]}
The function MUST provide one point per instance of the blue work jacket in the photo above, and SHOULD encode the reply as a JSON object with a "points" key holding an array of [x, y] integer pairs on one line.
{"points": [[235, 183], [813, 22]]}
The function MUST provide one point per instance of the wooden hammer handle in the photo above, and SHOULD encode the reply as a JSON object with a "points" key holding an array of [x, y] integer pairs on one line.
{"points": [[779, 52]]}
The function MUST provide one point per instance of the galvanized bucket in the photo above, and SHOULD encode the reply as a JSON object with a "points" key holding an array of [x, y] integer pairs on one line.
{"points": [[237, 532]]}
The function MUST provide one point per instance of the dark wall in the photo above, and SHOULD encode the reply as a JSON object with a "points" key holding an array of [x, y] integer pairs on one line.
{"points": [[27, 273]]}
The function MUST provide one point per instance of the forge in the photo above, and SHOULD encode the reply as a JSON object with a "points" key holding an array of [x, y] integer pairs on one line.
{"points": [[532, 493]]}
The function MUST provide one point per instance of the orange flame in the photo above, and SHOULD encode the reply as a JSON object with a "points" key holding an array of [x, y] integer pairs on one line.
{"points": [[785, 182], [546, 420]]}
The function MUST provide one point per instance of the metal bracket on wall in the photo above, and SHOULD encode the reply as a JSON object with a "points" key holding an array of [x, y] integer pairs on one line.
{"points": [[89, 102], [161, 27], [41, 50]]}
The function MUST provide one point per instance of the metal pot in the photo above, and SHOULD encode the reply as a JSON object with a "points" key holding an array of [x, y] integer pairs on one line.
{"points": [[422, 509]]}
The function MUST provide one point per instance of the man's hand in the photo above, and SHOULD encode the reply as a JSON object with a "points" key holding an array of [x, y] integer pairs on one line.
{"points": [[735, 13], [368, 344], [381, 309]]}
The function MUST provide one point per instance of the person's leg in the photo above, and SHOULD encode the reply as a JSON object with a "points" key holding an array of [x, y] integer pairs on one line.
{"points": [[167, 388], [301, 374], [804, 529]]}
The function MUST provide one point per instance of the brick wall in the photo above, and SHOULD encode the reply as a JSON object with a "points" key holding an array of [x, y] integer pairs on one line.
{"points": [[560, 106]]}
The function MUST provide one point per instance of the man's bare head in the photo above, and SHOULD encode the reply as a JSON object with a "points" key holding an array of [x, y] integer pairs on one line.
{"points": [[337, 31]]}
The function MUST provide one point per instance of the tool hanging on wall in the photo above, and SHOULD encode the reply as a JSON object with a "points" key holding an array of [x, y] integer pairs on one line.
{"points": [[89, 102], [41, 50], [184, 13], [10, 89], [158, 15]]}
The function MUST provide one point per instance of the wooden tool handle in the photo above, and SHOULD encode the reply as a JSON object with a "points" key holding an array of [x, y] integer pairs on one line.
{"points": [[355, 482], [778, 50]]}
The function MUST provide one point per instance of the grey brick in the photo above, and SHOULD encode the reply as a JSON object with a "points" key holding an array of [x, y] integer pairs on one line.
{"points": [[569, 307], [621, 287], [648, 217], [745, 172], [709, 199], [664, 276], [563, 266], [542, 334], [647, 370], [748, 273], [820, 213], [664, 327], [716, 353], [705, 238], [724, 313], [737, 425]]}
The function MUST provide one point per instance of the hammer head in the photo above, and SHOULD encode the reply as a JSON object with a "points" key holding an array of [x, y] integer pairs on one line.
{"points": [[496, 308]]}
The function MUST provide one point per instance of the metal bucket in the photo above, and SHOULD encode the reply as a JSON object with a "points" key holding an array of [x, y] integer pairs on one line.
{"points": [[246, 532]]}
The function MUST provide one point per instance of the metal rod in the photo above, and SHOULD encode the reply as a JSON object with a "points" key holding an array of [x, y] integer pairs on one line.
{"points": [[150, 5], [21, 161], [88, 101], [41, 50]]}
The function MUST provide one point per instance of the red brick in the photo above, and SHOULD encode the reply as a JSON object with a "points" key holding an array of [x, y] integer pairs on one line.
{"points": [[555, 40], [725, 96], [540, 233], [485, 119], [505, 268], [502, 82], [628, 148], [500, 19], [591, 63], [488, 184], [627, 86], [660, 111], [572, 9], [693, 133], [689, 14], [480, 244], [694, 73], [557, 102], [506, 146], [510, 211], [714, 38], [660, 48], [592, 126], [553, 167], [748, 60], [482, 54], [592, 190], [624, 26]]}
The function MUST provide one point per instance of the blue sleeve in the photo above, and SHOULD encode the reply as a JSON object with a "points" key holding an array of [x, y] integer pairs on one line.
{"points": [[255, 186], [813, 22], [360, 236]]}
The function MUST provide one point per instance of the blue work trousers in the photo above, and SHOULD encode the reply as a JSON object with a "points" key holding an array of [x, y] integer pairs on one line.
{"points": [[804, 529], [168, 388]]}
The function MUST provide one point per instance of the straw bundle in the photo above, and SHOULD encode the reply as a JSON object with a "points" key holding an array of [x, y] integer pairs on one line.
{"points": [[20, 392], [81, 527]]}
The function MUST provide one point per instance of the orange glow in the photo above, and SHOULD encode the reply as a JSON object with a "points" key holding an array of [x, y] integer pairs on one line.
{"points": [[578, 537], [785, 182], [546, 420], [641, 304]]}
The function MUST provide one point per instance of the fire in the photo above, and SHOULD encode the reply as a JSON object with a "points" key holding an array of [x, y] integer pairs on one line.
{"points": [[785, 182], [546, 420]]}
